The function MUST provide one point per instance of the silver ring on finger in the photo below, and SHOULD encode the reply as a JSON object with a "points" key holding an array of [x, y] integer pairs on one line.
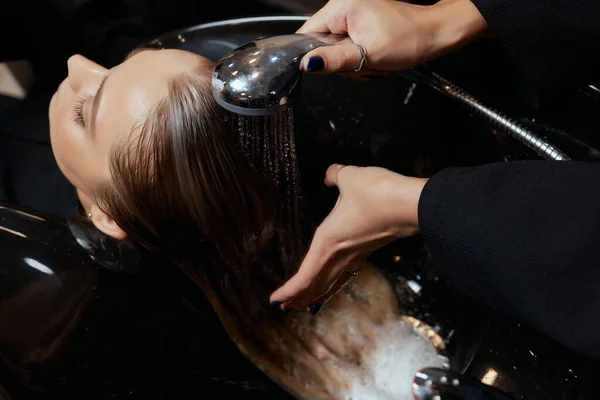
{"points": [[362, 51]]}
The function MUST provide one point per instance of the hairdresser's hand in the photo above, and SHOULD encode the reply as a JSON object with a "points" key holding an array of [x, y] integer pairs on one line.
{"points": [[396, 35], [375, 207]]}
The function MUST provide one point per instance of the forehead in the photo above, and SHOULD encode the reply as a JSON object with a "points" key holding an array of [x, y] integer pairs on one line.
{"points": [[133, 88]]}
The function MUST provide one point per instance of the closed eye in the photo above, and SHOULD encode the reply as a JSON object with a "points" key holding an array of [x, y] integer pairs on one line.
{"points": [[78, 110]]}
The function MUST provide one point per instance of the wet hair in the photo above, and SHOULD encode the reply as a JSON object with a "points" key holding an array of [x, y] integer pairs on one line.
{"points": [[181, 186]]}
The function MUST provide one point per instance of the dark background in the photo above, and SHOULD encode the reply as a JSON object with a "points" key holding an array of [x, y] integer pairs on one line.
{"points": [[47, 32]]}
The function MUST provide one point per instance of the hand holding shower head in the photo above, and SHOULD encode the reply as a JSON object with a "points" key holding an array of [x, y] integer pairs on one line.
{"points": [[261, 77]]}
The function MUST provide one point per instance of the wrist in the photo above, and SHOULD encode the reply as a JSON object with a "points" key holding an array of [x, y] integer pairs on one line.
{"points": [[452, 24], [407, 194]]}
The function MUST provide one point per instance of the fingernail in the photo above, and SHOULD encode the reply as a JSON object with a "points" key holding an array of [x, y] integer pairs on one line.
{"points": [[287, 310], [315, 64], [275, 303], [314, 309]]}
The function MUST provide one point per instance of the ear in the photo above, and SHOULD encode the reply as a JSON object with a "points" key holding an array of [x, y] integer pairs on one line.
{"points": [[106, 224]]}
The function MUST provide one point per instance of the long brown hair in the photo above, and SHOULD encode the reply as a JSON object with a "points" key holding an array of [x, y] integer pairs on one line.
{"points": [[183, 188]]}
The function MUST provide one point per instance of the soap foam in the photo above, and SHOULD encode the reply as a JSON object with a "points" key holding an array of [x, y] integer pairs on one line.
{"points": [[387, 373]]}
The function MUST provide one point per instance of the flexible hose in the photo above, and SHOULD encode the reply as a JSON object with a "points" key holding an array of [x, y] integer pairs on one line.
{"points": [[501, 121]]}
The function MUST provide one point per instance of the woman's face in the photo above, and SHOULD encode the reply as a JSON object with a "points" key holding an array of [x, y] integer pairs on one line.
{"points": [[95, 108]]}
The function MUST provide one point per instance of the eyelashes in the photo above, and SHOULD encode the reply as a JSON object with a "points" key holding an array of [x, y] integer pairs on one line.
{"points": [[78, 110]]}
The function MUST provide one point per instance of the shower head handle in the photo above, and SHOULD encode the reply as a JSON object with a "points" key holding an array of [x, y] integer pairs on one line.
{"points": [[261, 77]]}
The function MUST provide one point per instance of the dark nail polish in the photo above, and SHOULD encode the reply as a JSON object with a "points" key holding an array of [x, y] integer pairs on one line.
{"points": [[315, 64], [275, 303], [287, 310], [314, 309]]}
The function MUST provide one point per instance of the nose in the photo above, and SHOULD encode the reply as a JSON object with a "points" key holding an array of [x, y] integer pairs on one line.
{"points": [[84, 74]]}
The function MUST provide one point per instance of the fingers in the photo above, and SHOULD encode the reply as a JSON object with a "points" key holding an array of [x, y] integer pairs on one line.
{"points": [[340, 282], [328, 285], [335, 177], [331, 175], [319, 269], [367, 74], [317, 23], [335, 280], [329, 59], [329, 19], [308, 273], [324, 284]]}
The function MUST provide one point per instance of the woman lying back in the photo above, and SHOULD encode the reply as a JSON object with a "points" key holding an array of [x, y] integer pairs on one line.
{"points": [[155, 162]]}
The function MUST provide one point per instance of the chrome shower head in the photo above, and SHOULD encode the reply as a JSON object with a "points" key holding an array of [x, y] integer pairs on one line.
{"points": [[261, 77]]}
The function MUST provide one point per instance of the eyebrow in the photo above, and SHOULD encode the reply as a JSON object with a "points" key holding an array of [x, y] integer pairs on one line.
{"points": [[96, 105]]}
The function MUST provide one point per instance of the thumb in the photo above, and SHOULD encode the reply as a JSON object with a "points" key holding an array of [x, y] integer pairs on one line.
{"points": [[332, 176], [336, 58]]}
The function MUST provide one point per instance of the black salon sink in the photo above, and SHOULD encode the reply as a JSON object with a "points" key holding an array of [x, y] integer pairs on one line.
{"points": [[81, 320]]}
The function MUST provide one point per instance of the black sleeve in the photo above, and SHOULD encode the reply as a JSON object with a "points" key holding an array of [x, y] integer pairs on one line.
{"points": [[523, 238], [551, 40]]}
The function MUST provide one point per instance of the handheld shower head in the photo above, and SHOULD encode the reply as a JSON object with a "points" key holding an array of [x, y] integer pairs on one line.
{"points": [[261, 77]]}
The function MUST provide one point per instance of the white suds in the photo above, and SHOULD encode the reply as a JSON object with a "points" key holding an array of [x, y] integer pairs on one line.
{"points": [[388, 372]]}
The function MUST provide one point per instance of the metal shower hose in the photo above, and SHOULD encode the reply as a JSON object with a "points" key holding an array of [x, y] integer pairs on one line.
{"points": [[501, 121]]}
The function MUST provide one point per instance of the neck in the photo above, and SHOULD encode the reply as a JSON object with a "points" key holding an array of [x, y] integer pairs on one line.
{"points": [[85, 201]]}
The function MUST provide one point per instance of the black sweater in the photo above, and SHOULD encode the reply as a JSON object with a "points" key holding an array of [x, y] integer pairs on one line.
{"points": [[522, 236], [551, 41]]}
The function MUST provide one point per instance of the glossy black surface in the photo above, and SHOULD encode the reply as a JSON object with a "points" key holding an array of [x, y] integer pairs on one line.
{"points": [[72, 330]]}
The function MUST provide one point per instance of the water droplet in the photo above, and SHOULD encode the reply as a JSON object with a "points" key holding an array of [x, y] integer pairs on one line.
{"points": [[531, 352]]}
